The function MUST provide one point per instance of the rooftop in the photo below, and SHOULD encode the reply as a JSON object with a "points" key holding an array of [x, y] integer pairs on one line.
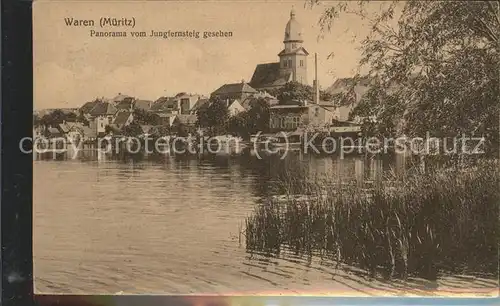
{"points": [[268, 75], [103, 109], [122, 118], [234, 88]]}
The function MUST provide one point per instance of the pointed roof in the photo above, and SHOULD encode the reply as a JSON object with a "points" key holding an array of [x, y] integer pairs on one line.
{"points": [[249, 102], [87, 107], [122, 118], [293, 29], [146, 128], [234, 103], [268, 75], [124, 104], [300, 50], [234, 88], [199, 104], [162, 104], [65, 127], [356, 86], [103, 109]]}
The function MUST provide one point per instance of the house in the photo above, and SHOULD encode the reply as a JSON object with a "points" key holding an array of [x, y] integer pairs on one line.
{"points": [[126, 104], [235, 108], [344, 128], [347, 92], [199, 105], [235, 91], [144, 105], [250, 101], [289, 117], [292, 65], [123, 119], [74, 132], [65, 127], [166, 119], [188, 120], [164, 104], [87, 107], [53, 132], [101, 116], [185, 102], [83, 133]]}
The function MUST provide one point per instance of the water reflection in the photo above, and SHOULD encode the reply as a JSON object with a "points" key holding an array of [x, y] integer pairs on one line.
{"points": [[170, 224]]}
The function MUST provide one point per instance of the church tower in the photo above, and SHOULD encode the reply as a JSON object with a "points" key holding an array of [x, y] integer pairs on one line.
{"points": [[293, 59]]}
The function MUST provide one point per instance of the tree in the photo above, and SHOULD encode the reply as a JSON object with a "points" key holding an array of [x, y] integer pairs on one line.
{"points": [[295, 91], [36, 120], [132, 130], [214, 117], [56, 117], [256, 119], [144, 117], [81, 118], [181, 129], [161, 131], [258, 116], [435, 71], [299, 92], [238, 125]]}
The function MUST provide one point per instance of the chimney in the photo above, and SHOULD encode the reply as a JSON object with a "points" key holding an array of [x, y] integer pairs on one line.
{"points": [[316, 85]]}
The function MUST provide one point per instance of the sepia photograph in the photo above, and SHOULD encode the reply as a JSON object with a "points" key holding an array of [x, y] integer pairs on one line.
{"points": [[322, 148]]}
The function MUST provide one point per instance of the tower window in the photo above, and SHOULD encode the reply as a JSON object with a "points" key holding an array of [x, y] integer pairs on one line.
{"points": [[289, 63], [284, 63], [301, 63]]}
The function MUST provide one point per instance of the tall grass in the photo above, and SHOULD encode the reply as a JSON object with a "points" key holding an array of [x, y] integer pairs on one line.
{"points": [[442, 221]]}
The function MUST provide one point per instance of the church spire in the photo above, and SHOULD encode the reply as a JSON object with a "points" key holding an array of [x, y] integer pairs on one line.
{"points": [[293, 29]]}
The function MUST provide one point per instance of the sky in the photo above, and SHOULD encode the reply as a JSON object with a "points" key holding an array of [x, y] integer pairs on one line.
{"points": [[71, 68]]}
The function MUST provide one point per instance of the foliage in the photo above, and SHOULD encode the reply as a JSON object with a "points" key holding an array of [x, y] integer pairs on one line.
{"points": [[254, 120], [81, 118], [132, 130], [161, 131], [442, 220], [297, 91], [258, 116], [214, 117], [36, 120], [434, 65], [238, 125], [144, 117], [55, 118], [181, 129]]}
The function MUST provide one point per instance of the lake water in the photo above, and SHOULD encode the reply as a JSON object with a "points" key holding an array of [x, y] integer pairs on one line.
{"points": [[170, 225]]}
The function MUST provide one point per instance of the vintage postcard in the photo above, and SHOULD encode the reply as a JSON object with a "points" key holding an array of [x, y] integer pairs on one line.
{"points": [[343, 148]]}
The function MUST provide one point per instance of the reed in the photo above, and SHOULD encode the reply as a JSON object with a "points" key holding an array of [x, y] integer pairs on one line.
{"points": [[443, 221]]}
